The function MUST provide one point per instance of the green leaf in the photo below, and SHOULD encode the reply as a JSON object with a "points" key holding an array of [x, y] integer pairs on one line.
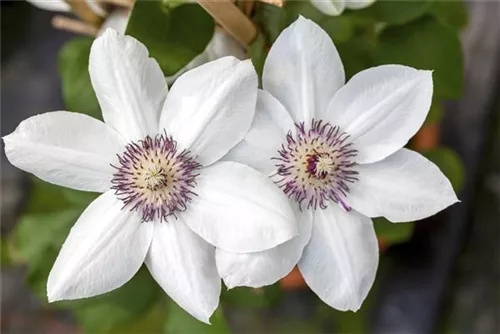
{"points": [[257, 52], [339, 28], [450, 164], [78, 199], [426, 44], [38, 239], [179, 321], [451, 13], [44, 197], [152, 322], [174, 36], [36, 234], [392, 233], [48, 198], [270, 19], [77, 90], [120, 307], [392, 12], [357, 55], [5, 253], [252, 298], [295, 8], [435, 114]]}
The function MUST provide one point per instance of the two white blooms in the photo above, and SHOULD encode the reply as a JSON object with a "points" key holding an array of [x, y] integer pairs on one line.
{"points": [[217, 178]]}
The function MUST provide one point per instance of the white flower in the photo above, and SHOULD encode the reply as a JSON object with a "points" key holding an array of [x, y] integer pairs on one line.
{"points": [[336, 7], [337, 151], [167, 199]]}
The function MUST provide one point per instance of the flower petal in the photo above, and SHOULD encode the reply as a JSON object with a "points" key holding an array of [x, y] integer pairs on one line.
{"points": [[68, 149], [303, 70], [239, 209], [382, 108], [129, 85], [104, 250], [330, 7], [340, 262], [358, 4], [265, 137], [265, 268], [53, 6], [210, 108], [183, 264], [403, 187], [117, 19]]}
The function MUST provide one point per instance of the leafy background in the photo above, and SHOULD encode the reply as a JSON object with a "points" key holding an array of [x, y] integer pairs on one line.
{"points": [[423, 34]]}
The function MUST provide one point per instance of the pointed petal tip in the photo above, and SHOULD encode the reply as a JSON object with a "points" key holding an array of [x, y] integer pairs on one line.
{"points": [[109, 32], [53, 295]]}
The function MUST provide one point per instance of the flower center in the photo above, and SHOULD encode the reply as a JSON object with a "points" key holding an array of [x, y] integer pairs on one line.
{"points": [[155, 178], [317, 165]]}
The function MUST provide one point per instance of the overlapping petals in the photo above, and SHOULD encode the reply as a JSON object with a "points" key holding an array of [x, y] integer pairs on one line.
{"points": [[270, 125], [210, 108], [239, 210], [379, 109], [208, 111], [184, 266], [263, 268]]}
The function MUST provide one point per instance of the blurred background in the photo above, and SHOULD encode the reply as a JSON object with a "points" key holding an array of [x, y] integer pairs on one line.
{"points": [[440, 275]]}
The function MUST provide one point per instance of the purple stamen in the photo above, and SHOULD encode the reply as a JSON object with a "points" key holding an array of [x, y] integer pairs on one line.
{"points": [[317, 165], [154, 178]]}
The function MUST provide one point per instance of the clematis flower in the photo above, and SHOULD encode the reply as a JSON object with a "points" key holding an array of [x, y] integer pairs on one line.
{"points": [[337, 151], [336, 7], [167, 198]]}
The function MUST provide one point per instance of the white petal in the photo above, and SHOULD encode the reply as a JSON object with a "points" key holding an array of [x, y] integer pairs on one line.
{"points": [[303, 70], [267, 267], [223, 44], [117, 20], [104, 250], [382, 108], [358, 4], [68, 149], [330, 7], [210, 108], [403, 187], [129, 85], [340, 262], [239, 209], [52, 5], [265, 137], [183, 264]]}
